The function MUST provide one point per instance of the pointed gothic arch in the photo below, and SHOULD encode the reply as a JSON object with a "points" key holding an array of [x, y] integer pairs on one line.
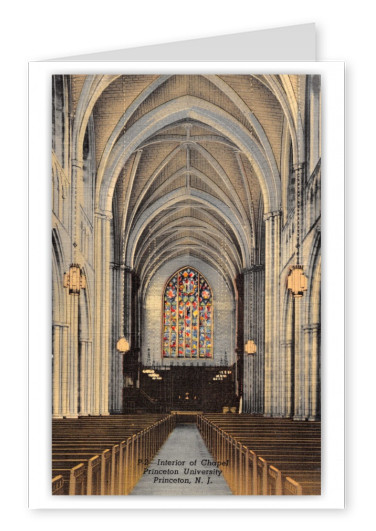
{"points": [[187, 329]]}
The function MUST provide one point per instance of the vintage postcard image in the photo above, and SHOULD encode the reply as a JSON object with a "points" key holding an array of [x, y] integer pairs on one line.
{"points": [[186, 276]]}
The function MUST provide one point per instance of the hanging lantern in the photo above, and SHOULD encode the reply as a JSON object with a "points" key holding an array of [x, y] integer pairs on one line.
{"points": [[297, 281], [123, 345], [250, 347], [75, 280]]}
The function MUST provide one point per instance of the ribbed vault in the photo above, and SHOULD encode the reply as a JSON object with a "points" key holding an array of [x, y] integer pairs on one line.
{"points": [[191, 193], [188, 165]]}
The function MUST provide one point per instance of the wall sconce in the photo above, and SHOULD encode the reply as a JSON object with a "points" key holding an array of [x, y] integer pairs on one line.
{"points": [[297, 281], [75, 280], [250, 347], [123, 345]]}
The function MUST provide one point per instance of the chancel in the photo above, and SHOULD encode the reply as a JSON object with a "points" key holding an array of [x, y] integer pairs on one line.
{"points": [[186, 272]]}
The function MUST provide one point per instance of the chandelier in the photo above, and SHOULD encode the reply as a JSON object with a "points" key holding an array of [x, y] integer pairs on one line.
{"points": [[297, 281], [123, 345], [250, 347], [75, 280]]}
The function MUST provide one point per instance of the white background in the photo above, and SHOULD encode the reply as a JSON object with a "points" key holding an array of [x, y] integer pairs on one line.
{"points": [[40, 30]]}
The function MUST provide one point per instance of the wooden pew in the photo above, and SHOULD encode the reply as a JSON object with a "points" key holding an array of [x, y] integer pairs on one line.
{"points": [[260, 453], [81, 476], [119, 446], [58, 485], [81, 455], [304, 484]]}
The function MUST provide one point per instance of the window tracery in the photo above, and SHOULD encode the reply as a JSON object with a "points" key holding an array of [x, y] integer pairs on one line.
{"points": [[187, 316]]}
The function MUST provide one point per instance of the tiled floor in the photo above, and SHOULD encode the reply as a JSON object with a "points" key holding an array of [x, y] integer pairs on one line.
{"points": [[182, 467]]}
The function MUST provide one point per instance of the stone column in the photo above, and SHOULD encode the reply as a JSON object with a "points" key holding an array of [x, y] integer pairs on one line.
{"points": [[127, 319], [246, 386], [248, 376], [315, 412], [72, 379], [114, 268], [84, 377], [307, 372], [299, 360], [127, 301], [56, 384], [312, 371], [259, 272], [120, 358], [81, 377], [102, 311], [64, 371], [90, 373], [287, 397], [240, 336], [281, 382], [272, 310], [116, 383], [135, 311], [254, 329]]}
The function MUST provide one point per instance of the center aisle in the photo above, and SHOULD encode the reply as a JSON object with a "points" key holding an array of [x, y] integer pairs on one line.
{"points": [[183, 466]]}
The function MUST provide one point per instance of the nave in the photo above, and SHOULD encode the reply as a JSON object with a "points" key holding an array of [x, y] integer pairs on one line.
{"points": [[186, 276], [183, 466]]}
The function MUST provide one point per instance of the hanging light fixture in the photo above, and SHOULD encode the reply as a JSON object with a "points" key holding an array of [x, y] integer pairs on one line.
{"points": [[123, 345], [75, 280], [250, 347], [297, 281]]}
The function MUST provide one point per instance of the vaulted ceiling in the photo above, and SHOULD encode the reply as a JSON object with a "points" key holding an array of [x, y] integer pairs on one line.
{"points": [[199, 183], [188, 187]]}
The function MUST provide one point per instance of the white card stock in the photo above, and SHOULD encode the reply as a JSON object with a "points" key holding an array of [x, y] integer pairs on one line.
{"points": [[286, 50]]}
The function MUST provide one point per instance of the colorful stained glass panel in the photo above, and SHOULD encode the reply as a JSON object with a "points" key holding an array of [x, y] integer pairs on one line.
{"points": [[187, 316]]}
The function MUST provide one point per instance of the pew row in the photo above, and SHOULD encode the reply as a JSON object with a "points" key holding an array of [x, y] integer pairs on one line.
{"points": [[263, 456], [105, 456]]}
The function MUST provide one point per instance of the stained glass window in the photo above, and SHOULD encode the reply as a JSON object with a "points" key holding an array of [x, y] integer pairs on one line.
{"points": [[187, 316]]}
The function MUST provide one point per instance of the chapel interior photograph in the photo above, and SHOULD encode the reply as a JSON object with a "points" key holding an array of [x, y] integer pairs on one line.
{"points": [[186, 274]]}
